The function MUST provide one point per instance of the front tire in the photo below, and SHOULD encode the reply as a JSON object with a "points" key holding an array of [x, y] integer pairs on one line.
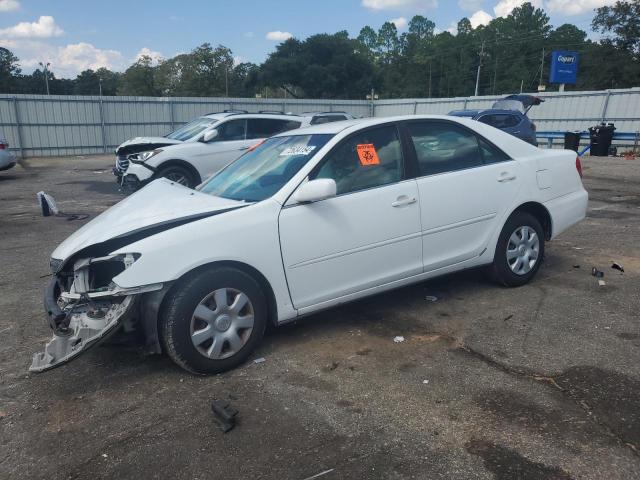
{"points": [[178, 174], [519, 251], [213, 320]]}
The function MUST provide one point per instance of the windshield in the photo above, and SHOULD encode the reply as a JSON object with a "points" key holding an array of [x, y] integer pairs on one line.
{"points": [[192, 129], [260, 173]]}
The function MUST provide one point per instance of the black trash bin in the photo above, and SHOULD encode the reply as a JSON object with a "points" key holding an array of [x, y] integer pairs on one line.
{"points": [[601, 137], [572, 141]]}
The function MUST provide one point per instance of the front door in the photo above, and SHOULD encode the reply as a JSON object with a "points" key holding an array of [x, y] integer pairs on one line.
{"points": [[366, 236]]}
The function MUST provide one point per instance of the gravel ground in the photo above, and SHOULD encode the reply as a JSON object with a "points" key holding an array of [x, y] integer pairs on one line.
{"points": [[537, 382]]}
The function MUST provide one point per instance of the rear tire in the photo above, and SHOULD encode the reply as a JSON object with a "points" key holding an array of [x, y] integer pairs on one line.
{"points": [[178, 174], [213, 320], [519, 251]]}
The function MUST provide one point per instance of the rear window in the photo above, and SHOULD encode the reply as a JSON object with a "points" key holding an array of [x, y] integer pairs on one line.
{"points": [[320, 119]]}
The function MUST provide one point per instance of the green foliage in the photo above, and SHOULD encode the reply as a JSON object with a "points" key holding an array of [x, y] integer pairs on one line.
{"points": [[420, 62]]}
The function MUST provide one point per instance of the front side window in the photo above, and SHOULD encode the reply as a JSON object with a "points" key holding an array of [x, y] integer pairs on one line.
{"points": [[191, 129], [231, 130], [260, 173], [444, 147], [369, 159]]}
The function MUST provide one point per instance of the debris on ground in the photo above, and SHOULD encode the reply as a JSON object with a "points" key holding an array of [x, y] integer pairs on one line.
{"points": [[225, 414], [426, 382], [617, 266], [508, 317], [576, 266], [260, 360], [431, 298], [602, 283], [333, 366], [398, 339], [317, 475], [597, 273], [363, 351]]}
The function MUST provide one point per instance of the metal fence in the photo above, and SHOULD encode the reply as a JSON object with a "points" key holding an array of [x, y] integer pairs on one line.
{"points": [[40, 125]]}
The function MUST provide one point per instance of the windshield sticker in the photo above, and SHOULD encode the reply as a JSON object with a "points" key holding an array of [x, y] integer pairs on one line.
{"points": [[300, 150], [367, 154]]}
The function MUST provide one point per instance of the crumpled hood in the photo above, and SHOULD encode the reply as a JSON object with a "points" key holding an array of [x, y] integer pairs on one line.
{"points": [[142, 141], [159, 203]]}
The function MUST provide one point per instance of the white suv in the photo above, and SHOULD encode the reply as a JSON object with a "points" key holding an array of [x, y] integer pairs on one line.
{"points": [[213, 142]]}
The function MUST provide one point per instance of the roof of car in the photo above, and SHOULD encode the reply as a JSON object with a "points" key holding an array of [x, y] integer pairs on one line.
{"points": [[475, 113], [241, 115], [334, 128]]}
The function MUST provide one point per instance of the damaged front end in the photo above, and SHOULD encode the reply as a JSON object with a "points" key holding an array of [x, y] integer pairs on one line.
{"points": [[85, 306]]}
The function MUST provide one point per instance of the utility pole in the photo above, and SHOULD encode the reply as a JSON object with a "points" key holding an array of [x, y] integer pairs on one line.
{"points": [[541, 68], [226, 80], [45, 67], [479, 68], [100, 84]]}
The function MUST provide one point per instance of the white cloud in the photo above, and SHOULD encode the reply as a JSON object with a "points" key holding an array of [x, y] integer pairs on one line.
{"points": [[45, 27], [576, 7], [155, 56], [504, 7], [415, 5], [399, 22], [66, 61], [480, 18], [470, 5], [278, 36], [9, 5]]}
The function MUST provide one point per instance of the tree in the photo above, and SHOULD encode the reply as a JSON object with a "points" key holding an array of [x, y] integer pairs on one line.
{"points": [[138, 79], [622, 22], [9, 70], [86, 83]]}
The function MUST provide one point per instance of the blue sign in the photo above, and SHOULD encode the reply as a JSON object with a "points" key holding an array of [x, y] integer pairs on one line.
{"points": [[564, 67]]}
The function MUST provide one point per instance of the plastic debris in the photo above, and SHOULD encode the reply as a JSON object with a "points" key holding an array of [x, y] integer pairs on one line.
{"points": [[602, 283], [597, 273], [317, 475], [431, 298], [426, 382], [260, 360], [617, 266], [398, 339], [225, 414], [576, 266]]}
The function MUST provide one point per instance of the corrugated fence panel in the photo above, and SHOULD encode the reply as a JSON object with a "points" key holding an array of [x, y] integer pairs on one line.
{"points": [[40, 125]]}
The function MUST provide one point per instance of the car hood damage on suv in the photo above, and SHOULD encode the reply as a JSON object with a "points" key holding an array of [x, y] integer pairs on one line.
{"points": [[83, 302]]}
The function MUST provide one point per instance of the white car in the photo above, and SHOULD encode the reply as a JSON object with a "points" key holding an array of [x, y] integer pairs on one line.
{"points": [[310, 219], [7, 159], [202, 147]]}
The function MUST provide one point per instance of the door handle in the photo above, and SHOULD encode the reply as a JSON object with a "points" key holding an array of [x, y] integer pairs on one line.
{"points": [[505, 177], [403, 200], [243, 148]]}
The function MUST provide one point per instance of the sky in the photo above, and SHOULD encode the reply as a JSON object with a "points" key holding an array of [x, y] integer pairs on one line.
{"points": [[74, 35]]}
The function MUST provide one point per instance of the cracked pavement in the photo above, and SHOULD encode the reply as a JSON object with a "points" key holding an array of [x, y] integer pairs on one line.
{"points": [[539, 382]]}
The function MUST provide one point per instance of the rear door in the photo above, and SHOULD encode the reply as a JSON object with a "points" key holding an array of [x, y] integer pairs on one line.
{"points": [[466, 185]]}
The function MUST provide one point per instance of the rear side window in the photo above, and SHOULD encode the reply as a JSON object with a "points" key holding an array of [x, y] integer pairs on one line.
{"points": [[491, 154], [267, 127], [231, 130], [500, 120], [319, 119], [444, 147], [369, 159]]}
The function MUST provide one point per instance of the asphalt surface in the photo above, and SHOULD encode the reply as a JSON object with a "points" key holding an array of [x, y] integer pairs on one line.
{"points": [[537, 382]]}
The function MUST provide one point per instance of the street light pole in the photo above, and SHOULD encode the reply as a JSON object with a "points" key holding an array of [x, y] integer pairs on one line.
{"points": [[100, 84], [45, 67], [479, 68]]}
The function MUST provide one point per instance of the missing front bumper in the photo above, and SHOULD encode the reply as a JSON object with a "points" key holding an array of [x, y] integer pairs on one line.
{"points": [[88, 325]]}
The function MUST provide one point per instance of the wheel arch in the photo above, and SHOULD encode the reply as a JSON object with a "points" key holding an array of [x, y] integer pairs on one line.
{"points": [[176, 162], [541, 213], [254, 273]]}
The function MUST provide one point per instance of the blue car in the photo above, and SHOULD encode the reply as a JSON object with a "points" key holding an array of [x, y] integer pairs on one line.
{"points": [[509, 115]]}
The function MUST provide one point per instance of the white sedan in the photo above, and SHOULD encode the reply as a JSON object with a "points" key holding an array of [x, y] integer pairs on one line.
{"points": [[310, 219]]}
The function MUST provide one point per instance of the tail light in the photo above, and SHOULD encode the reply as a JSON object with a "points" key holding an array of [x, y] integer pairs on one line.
{"points": [[3, 145], [579, 166], [533, 125]]}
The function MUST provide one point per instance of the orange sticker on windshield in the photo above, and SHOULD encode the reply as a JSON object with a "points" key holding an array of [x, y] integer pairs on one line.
{"points": [[367, 154]]}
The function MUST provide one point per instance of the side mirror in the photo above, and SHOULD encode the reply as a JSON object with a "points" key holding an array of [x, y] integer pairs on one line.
{"points": [[210, 135], [316, 190]]}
